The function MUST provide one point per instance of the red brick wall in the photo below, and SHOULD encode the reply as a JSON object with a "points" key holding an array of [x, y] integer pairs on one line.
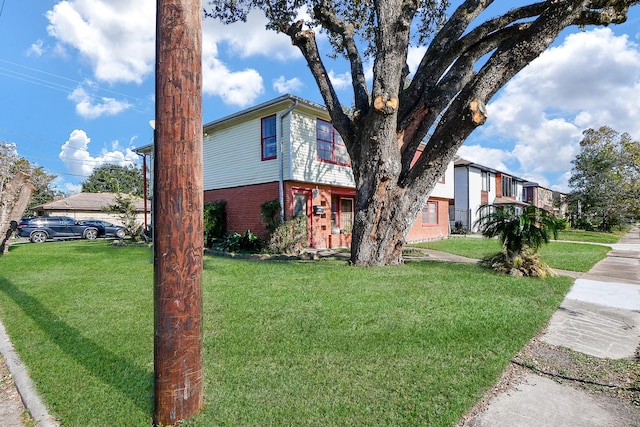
{"points": [[419, 232], [243, 206]]}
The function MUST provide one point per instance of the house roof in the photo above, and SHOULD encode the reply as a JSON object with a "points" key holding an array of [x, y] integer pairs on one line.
{"points": [[284, 101], [464, 162], [508, 201], [87, 202]]}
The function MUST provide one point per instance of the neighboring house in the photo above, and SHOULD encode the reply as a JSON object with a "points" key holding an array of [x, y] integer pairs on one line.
{"points": [[538, 196], [476, 186], [287, 149], [87, 206], [553, 202]]}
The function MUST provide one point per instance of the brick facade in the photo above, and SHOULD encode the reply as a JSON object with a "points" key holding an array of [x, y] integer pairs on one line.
{"points": [[423, 232], [243, 206]]}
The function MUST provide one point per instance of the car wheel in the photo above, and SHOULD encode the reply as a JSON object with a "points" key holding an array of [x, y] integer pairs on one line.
{"points": [[120, 233], [38, 237], [90, 233]]}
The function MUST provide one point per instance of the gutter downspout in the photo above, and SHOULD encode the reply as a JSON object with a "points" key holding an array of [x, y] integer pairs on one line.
{"points": [[281, 159]]}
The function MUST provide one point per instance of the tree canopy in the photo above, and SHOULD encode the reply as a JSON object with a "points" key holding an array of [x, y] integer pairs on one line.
{"points": [[11, 163], [401, 134], [112, 178], [605, 180]]}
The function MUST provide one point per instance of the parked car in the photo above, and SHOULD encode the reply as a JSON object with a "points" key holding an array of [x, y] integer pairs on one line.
{"points": [[110, 230], [41, 228]]}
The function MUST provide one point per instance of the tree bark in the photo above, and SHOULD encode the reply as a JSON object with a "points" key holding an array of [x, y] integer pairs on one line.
{"points": [[15, 199], [178, 207]]}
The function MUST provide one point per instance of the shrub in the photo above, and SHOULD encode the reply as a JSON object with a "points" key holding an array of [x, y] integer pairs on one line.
{"points": [[215, 222], [270, 211], [125, 209], [235, 242], [290, 237]]}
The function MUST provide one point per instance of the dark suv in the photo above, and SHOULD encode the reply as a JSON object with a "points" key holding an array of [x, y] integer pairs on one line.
{"points": [[40, 228]]}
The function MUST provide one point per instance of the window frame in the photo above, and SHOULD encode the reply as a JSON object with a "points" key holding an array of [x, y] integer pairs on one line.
{"points": [[426, 213], [507, 186], [264, 138], [335, 141], [486, 180], [337, 212]]}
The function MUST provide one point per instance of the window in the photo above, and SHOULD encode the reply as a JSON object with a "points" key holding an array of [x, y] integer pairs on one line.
{"points": [[268, 139], [300, 204], [508, 186], [430, 213], [486, 181], [330, 145]]}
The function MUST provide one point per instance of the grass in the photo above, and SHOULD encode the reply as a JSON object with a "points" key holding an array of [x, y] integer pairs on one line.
{"points": [[590, 236], [285, 343], [561, 255]]}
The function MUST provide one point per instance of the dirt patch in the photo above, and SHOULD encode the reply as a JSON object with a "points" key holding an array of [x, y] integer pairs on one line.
{"points": [[12, 411], [616, 382]]}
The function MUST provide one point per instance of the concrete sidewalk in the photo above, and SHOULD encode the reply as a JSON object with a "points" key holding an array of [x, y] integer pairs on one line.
{"points": [[599, 317]]}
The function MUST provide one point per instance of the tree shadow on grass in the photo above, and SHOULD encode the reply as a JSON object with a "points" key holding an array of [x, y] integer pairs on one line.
{"points": [[133, 381]]}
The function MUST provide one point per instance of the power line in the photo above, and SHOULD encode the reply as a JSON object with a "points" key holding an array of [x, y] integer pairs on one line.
{"points": [[57, 76], [2, 8]]}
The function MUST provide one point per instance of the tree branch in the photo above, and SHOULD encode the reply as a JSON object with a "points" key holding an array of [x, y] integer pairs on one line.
{"points": [[327, 16], [306, 42]]}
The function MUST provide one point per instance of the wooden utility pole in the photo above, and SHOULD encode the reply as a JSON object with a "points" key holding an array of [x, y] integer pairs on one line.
{"points": [[178, 212]]}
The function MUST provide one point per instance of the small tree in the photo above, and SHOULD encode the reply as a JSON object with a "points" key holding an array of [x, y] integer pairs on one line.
{"points": [[125, 208], [521, 235]]}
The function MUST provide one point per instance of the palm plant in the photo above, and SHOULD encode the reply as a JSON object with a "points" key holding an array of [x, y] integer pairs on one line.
{"points": [[522, 234]]}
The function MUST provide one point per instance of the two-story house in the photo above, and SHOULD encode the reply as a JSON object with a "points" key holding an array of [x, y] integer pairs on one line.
{"points": [[477, 185], [287, 149], [552, 201]]}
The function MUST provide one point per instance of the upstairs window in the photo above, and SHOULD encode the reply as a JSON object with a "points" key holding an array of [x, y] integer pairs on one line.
{"points": [[331, 148], [486, 181], [508, 186], [268, 139]]}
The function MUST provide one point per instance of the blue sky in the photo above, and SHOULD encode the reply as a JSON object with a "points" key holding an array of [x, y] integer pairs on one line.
{"points": [[78, 87]]}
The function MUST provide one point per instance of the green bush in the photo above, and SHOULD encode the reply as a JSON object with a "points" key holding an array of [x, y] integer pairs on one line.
{"points": [[215, 221], [290, 237], [235, 242], [270, 211]]}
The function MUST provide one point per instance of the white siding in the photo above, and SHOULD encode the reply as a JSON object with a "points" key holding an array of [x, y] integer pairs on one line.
{"points": [[304, 164], [232, 156], [445, 189]]}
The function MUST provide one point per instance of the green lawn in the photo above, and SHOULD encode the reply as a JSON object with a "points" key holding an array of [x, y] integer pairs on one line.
{"points": [[285, 343], [590, 236], [561, 255]]}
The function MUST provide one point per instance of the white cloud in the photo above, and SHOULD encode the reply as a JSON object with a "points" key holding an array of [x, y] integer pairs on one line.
{"points": [[36, 48], [281, 85], [79, 161], [89, 109], [239, 88], [491, 157], [116, 37], [414, 57], [251, 38], [340, 81], [591, 79]]}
